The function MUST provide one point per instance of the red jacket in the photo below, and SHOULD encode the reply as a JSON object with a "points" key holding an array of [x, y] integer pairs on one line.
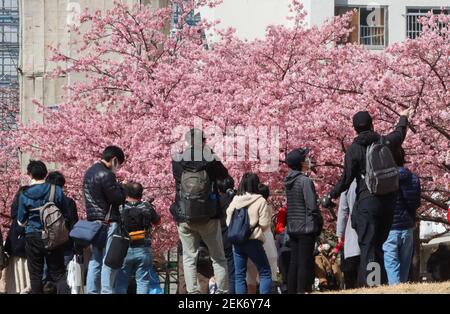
{"points": [[281, 221]]}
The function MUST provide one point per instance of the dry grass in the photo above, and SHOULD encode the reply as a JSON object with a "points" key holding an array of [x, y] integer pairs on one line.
{"points": [[421, 288]]}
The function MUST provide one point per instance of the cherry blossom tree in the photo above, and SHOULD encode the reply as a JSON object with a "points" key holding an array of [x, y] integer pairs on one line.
{"points": [[9, 162], [142, 88]]}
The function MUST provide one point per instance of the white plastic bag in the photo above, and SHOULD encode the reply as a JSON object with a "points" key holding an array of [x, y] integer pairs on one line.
{"points": [[74, 276]]}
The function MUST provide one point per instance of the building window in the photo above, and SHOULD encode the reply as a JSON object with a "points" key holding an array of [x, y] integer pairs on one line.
{"points": [[8, 69], [369, 25], [11, 5], [413, 15], [9, 34]]}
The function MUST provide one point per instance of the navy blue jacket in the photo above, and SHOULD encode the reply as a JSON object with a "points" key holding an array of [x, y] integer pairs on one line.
{"points": [[33, 197], [408, 200]]}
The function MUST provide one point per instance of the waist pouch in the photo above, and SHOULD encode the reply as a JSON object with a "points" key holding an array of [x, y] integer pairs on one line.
{"points": [[137, 235]]}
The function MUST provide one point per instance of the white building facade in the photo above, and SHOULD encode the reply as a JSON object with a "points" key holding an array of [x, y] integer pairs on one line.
{"points": [[377, 23]]}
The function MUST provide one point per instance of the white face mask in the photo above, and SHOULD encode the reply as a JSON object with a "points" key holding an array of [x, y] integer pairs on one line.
{"points": [[114, 165]]}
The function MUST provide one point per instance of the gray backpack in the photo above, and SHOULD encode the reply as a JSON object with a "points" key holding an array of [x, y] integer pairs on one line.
{"points": [[195, 205], [54, 229], [382, 176]]}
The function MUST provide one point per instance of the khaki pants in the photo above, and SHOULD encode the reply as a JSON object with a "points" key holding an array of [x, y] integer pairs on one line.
{"points": [[190, 235]]}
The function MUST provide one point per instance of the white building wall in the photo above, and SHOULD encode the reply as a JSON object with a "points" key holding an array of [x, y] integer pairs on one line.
{"points": [[44, 23], [251, 17], [396, 13]]}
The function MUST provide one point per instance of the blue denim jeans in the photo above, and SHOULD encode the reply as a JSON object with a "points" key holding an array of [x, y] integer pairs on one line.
{"points": [[254, 250], [138, 262], [101, 278], [155, 284], [398, 251]]}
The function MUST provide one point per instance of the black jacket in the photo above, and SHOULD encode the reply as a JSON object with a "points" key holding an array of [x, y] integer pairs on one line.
{"points": [[209, 162], [302, 214], [71, 214], [225, 201], [355, 158], [102, 192], [15, 241]]}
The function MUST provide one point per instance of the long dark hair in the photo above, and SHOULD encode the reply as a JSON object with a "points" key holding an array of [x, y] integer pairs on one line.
{"points": [[249, 184]]}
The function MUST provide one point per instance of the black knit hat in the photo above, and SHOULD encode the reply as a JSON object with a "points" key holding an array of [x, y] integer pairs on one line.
{"points": [[362, 121]]}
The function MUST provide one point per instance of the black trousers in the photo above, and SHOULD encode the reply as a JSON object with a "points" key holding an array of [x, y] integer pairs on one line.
{"points": [[372, 220], [36, 256], [301, 267], [350, 267]]}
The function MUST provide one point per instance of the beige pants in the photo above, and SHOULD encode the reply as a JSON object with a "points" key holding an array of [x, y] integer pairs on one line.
{"points": [[16, 276]]}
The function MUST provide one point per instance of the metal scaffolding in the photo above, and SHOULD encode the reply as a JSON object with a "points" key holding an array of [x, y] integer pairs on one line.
{"points": [[9, 57], [9, 42]]}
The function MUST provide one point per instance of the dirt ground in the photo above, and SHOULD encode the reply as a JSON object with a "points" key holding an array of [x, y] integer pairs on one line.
{"points": [[421, 288]]}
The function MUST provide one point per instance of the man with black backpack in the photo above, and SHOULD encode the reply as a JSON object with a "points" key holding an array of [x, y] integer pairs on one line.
{"points": [[369, 159], [39, 205], [196, 207], [137, 217]]}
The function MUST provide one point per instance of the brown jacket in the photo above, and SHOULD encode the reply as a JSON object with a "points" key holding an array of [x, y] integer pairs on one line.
{"points": [[258, 213]]}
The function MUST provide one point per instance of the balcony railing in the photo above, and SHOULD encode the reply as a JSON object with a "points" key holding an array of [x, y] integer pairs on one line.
{"points": [[413, 25], [373, 36]]}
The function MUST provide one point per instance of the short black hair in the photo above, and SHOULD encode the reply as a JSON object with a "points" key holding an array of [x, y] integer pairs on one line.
{"points": [[134, 190], [56, 178], [249, 184], [37, 169], [225, 184], [113, 151], [264, 190]]}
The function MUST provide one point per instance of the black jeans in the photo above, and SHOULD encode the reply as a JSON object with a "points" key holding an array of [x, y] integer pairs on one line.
{"points": [[36, 255], [301, 267], [350, 268], [372, 220], [284, 259]]}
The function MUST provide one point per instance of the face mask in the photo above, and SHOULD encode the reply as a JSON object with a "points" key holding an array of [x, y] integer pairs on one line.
{"points": [[114, 165], [307, 165]]}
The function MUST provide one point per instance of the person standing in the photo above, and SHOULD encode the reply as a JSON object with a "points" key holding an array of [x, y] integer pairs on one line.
{"points": [[17, 277], [249, 197], [373, 214], [138, 217], [196, 206], [304, 221], [58, 179], [269, 248], [102, 197], [36, 195], [348, 237], [399, 246]]}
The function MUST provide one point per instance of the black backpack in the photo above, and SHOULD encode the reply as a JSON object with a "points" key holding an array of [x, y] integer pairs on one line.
{"points": [[133, 219], [195, 190], [381, 173], [239, 230]]}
